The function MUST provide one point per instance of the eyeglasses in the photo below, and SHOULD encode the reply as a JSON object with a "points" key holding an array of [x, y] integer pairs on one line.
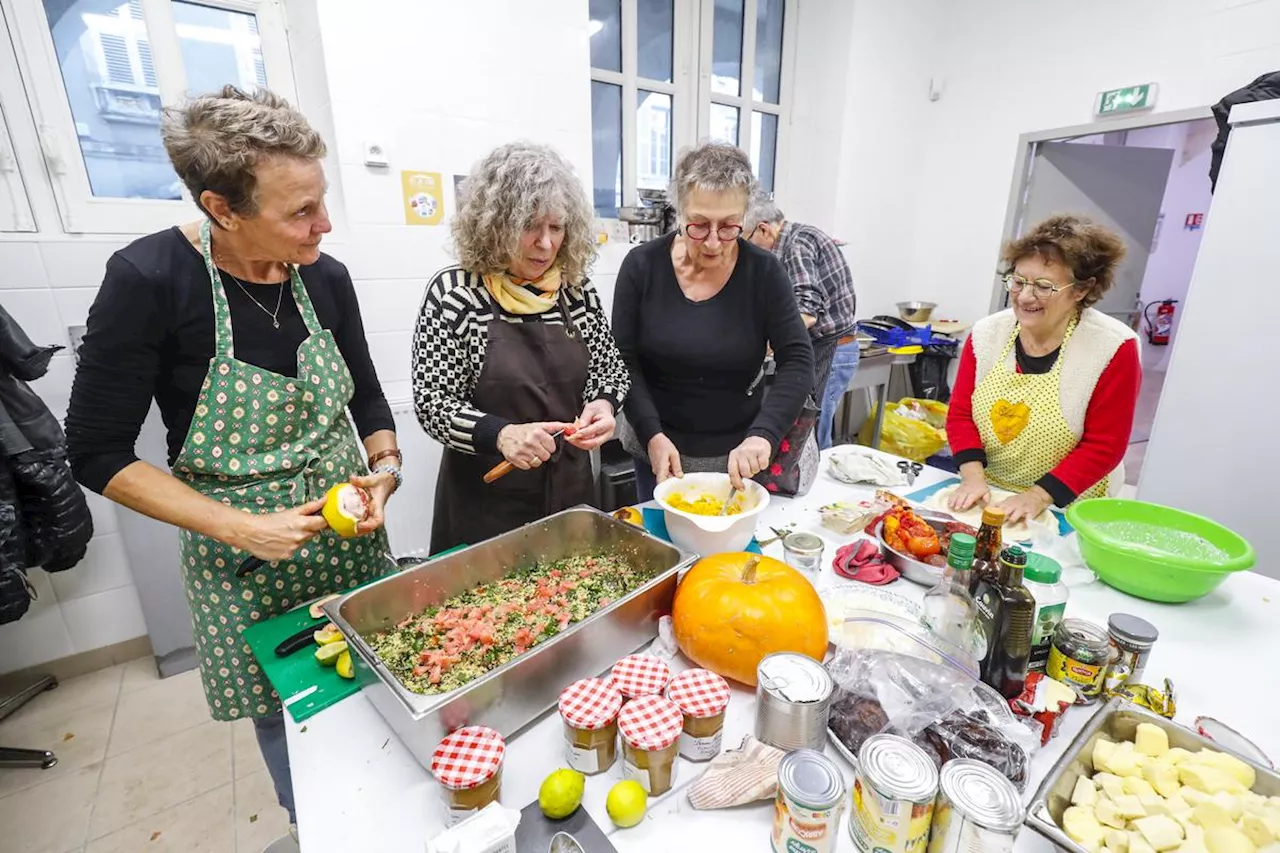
{"points": [[1043, 288], [702, 230]]}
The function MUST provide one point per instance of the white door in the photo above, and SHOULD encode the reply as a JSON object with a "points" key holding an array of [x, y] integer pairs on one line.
{"points": [[1120, 187]]}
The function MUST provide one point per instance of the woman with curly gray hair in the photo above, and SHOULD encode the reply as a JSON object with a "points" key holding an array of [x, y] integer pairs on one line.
{"points": [[512, 352], [249, 340], [695, 313]]}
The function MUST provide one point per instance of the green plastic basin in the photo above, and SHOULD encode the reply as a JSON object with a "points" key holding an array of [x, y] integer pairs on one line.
{"points": [[1109, 530]]}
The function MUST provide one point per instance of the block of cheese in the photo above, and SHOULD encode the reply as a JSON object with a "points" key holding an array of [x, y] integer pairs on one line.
{"points": [[1082, 827], [1227, 840], [1085, 792], [1208, 779]]}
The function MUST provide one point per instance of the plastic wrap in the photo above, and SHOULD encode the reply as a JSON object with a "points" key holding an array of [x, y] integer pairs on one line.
{"points": [[916, 687]]}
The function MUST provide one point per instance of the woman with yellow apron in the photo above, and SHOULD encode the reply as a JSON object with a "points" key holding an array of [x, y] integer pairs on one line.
{"points": [[250, 342], [1046, 390]]}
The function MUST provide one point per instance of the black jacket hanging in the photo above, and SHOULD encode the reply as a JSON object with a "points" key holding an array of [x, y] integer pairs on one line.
{"points": [[1265, 88], [44, 519]]}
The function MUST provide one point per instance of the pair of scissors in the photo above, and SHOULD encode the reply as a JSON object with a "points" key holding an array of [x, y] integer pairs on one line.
{"points": [[911, 469]]}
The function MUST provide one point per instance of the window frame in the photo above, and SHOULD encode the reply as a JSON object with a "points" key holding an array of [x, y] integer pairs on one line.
{"points": [[682, 89], [79, 210], [16, 215], [745, 102]]}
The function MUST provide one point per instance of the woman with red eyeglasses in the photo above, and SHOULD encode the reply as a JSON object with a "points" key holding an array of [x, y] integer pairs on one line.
{"points": [[694, 315]]}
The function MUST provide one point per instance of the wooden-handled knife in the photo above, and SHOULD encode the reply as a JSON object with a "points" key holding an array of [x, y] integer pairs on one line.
{"points": [[503, 468]]}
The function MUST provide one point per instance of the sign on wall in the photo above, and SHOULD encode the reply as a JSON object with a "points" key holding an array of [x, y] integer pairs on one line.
{"points": [[1194, 222], [1126, 100], [423, 198]]}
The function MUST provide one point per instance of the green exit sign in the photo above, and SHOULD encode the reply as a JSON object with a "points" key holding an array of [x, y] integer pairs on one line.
{"points": [[1125, 100]]}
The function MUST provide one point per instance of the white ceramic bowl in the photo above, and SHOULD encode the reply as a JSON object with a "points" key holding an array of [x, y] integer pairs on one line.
{"points": [[708, 534]]}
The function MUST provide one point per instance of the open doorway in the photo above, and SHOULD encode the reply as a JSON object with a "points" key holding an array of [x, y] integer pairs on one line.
{"points": [[1147, 178]]}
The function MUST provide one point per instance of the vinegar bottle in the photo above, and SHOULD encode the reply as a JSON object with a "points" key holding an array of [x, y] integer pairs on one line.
{"points": [[986, 554], [949, 610]]}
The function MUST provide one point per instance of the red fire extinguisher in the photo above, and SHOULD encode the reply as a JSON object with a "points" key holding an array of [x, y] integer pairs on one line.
{"points": [[1158, 330]]}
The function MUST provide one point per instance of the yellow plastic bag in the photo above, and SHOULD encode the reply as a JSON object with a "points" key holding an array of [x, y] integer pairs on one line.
{"points": [[913, 428]]}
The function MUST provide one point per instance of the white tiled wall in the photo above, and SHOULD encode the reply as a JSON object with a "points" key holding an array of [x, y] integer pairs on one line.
{"points": [[48, 286]]}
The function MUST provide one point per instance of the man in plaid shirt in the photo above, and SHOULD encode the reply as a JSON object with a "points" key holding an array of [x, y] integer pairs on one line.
{"points": [[824, 294]]}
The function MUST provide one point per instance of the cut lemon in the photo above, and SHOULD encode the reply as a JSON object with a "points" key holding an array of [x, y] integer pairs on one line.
{"points": [[344, 666], [630, 515], [328, 654], [345, 506], [328, 634]]}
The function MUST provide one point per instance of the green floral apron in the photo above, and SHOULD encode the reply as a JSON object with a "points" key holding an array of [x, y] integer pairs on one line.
{"points": [[262, 442]]}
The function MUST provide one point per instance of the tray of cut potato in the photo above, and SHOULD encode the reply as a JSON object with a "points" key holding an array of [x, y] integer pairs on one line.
{"points": [[1134, 782]]}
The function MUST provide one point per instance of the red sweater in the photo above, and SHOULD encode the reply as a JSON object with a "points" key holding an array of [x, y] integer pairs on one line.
{"points": [[1108, 423]]}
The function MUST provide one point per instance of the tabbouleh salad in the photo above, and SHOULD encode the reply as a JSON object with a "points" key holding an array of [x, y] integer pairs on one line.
{"points": [[469, 634]]}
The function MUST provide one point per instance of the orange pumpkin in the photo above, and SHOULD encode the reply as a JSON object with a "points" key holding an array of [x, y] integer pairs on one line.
{"points": [[733, 609]]}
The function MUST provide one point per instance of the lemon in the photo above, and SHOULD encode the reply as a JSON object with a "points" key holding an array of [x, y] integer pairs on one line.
{"points": [[329, 653], [317, 607], [344, 665], [630, 515], [328, 634], [626, 803], [345, 506], [561, 793]]}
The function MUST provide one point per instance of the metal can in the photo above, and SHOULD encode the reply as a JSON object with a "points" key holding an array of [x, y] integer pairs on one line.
{"points": [[894, 786], [978, 810], [803, 552], [807, 807], [1131, 639], [793, 701]]}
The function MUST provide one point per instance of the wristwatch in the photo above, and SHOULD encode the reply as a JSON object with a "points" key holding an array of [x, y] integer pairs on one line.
{"points": [[394, 471]]}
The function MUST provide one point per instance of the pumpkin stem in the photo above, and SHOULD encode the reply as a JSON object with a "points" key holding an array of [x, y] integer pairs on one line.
{"points": [[749, 573]]}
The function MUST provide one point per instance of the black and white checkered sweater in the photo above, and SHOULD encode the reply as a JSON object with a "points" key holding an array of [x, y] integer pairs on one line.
{"points": [[449, 345]]}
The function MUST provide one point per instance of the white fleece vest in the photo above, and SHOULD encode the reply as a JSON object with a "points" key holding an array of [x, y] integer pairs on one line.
{"points": [[1095, 342]]}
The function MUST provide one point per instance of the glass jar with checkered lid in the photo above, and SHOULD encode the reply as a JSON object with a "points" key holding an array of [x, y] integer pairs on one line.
{"points": [[650, 727], [468, 766], [702, 696], [640, 675], [589, 709]]}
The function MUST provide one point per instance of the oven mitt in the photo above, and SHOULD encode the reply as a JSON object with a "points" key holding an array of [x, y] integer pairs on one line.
{"points": [[862, 561], [738, 776]]}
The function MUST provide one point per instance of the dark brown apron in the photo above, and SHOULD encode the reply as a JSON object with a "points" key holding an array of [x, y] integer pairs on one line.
{"points": [[533, 371]]}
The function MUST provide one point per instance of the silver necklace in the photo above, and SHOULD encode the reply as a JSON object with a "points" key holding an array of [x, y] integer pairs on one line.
{"points": [[274, 315]]}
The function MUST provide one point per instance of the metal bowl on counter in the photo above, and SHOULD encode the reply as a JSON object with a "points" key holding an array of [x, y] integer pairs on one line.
{"points": [[912, 569], [1116, 721], [916, 312], [518, 692]]}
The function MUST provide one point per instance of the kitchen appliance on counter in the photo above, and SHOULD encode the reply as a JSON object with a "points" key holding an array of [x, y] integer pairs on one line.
{"points": [[513, 695], [643, 223]]}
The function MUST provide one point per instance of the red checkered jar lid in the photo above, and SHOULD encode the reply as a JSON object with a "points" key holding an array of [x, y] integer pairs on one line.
{"points": [[640, 675], [468, 758], [590, 704], [699, 693], [650, 723]]}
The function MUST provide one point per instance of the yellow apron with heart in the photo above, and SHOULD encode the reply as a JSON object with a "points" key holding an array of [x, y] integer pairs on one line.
{"points": [[1019, 416]]}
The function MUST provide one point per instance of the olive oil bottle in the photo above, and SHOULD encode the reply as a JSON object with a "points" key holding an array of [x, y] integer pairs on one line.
{"points": [[1006, 609]]}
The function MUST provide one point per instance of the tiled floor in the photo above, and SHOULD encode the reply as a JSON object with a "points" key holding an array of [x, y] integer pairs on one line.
{"points": [[141, 766]]}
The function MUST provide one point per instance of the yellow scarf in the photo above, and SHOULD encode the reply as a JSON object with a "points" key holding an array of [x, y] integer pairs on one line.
{"points": [[515, 298]]}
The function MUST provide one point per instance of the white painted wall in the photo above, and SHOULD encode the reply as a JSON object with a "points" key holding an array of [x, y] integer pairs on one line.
{"points": [[1011, 68]]}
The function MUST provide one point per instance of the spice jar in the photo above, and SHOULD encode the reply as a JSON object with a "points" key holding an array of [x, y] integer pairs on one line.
{"points": [[702, 697], [650, 727], [803, 552], [468, 766], [640, 675], [589, 709], [1079, 657], [1131, 640]]}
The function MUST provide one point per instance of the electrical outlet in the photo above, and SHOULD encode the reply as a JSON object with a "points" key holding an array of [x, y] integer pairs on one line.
{"points": [[375, 154], [76, 334]]}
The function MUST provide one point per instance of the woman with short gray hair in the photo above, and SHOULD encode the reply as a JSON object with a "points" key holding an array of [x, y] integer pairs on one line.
{"points": [[513, 361], [249, 340], [694, 314]]}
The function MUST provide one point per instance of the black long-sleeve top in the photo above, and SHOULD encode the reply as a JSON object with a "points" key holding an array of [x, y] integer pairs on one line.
{"points": [[693, 364], [150, 335]]}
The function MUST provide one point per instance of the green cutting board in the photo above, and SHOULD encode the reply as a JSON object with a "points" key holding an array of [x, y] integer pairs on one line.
{"points": [[306, 688]]}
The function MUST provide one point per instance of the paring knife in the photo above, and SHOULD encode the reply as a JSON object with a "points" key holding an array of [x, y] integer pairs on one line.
{"points": [[503, 468]]}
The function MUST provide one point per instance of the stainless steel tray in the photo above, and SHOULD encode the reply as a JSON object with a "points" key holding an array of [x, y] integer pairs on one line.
{"points": [[912, 569], [515, 694], [1117, 720]]}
